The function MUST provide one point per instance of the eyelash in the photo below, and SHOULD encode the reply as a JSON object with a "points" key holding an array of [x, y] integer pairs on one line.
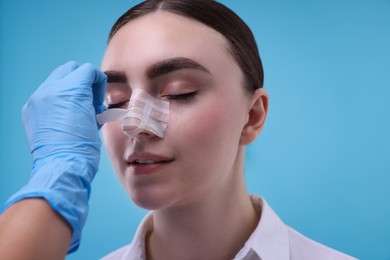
{"points": [[179, 97], [117, 105]]}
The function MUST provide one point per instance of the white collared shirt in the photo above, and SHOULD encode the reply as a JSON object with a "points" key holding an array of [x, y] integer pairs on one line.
{"points": [[271, 240]]}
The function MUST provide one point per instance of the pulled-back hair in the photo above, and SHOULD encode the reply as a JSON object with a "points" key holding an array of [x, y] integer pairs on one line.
{"points": [[241, 41]]}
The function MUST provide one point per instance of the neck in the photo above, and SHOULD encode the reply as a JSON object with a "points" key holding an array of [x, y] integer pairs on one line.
{"points": [[215, 226]]}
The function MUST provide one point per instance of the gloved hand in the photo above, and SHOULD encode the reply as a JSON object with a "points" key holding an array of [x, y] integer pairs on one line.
{"points": [[60, 122]]}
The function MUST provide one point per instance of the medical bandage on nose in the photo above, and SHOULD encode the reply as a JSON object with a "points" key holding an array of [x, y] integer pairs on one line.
{"points": [[144, 114]]}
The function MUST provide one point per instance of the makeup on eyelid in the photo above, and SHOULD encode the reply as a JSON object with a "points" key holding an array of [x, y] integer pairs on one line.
{"points": [[178, 85]]}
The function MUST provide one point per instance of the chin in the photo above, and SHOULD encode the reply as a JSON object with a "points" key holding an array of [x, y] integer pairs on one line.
{"points": [[150, 200]]}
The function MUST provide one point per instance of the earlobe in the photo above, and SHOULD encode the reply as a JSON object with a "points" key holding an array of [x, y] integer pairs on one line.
{"points": [[256, 116]]}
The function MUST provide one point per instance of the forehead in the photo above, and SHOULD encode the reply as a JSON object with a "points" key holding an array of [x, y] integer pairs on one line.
{"points": [[164, 35]]}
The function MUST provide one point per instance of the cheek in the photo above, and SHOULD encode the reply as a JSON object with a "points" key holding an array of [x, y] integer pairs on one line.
{"points": [[210, 128]]}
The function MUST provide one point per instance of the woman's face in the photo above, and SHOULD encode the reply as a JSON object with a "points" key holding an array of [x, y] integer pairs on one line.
{"points": [[188, 64]]}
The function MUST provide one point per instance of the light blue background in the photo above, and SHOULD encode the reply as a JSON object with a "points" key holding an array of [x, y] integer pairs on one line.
{"points": [[322, 161]]}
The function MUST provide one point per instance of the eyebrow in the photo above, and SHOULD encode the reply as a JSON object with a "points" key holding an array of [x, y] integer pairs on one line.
{"points": [[116, 76], [158, 69], [171, 65]]}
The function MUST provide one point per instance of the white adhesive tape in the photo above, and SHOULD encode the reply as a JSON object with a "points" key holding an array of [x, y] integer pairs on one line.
{"points": [[144, 114]]}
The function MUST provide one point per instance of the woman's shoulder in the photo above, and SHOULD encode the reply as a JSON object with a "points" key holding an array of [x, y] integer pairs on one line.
{"points": [[302, 247], [273, 239]]}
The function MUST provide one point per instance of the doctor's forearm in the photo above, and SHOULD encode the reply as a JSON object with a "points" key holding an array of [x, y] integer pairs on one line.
{"points": [[30, 229]]}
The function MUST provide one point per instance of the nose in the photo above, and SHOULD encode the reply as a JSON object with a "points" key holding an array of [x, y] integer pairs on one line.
{"points": [[137, 128], [146, 115]]}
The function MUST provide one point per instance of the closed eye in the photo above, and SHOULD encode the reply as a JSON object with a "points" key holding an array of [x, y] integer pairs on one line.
{"points": [[181, 97], [118, 105]]}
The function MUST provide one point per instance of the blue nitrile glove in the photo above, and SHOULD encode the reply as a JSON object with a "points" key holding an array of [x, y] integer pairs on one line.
{"points": [[60, 122]]}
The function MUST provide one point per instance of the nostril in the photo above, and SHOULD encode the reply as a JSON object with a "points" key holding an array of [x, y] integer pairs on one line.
{"points": [[146, 134], [136, 131]]}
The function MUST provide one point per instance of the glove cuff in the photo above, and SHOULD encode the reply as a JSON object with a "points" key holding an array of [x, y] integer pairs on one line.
{"points": [[64, 182]]}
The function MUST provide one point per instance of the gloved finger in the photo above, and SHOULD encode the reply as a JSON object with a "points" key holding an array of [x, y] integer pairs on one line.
{"points": [[99, 90], [62, 71], [86, 75]]}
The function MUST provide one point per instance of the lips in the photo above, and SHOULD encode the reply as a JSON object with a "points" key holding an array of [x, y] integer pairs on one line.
{"points": [[146, 163], [147, 158]]}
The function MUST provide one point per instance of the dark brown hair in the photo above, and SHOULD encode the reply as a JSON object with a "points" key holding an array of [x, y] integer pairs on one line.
{"points": [[242, 43]]}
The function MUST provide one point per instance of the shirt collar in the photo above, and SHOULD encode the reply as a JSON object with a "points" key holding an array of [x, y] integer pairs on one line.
{"points": [[269, 241], [137, 247]]}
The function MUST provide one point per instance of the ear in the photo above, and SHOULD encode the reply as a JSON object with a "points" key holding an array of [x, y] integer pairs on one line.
{"points": [[258, 109]]}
